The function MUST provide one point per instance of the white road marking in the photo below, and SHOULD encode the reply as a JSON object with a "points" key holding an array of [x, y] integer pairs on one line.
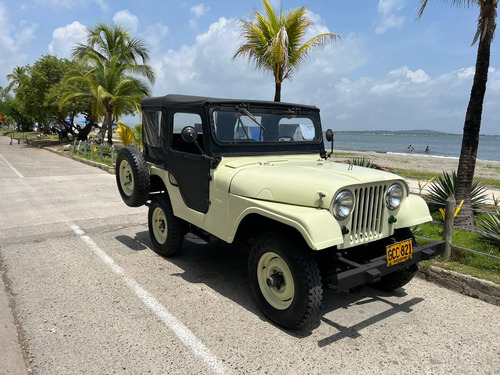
{"points": [[11, 167], [183, 333]]}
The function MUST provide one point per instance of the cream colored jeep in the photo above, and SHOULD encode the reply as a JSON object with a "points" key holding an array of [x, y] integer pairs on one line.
{"points": [[258, 171]]}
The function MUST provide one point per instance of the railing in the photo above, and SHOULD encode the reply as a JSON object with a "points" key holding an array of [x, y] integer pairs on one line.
{"points": [[103, 152], [448, 227]]}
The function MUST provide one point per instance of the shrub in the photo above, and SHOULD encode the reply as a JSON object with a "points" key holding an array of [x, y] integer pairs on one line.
{"points": [[444, 186], [138, 136], [361, 162], [489, 224], [125, 133]]}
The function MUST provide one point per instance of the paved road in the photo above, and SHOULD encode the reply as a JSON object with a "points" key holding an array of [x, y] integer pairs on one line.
{"points": [[91, 297]]}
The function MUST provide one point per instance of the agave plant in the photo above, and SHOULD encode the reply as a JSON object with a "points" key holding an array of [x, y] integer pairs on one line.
{"points": [[361, 162], [441, 188], [489, 224]]}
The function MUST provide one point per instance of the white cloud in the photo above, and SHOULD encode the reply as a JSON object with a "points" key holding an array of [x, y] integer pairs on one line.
{"points": [[207, 67], [153, 36], [388, 19], [102, 4], [386, 7], [127, 20], [65, 38], [12, 39], [199, 10]]}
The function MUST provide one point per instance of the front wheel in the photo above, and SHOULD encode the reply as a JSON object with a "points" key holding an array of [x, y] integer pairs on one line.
{"points": [[166, 230], [285, 280]]}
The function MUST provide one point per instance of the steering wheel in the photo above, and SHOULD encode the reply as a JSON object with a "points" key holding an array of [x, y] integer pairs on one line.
{"points": [[286, 138]]}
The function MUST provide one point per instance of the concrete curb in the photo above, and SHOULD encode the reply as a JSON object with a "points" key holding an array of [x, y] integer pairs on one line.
{"points": [[484, 290], [104, 167]]}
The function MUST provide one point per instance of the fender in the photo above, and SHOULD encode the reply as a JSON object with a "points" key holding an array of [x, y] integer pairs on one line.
{"points": [[413, 211], [317, 226]]}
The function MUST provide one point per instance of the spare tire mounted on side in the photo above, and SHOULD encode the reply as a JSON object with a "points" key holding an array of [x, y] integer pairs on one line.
{"points": [[132, 177]]}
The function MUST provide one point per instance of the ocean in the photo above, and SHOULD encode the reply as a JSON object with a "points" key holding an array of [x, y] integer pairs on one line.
{"points": [[440, 144]]}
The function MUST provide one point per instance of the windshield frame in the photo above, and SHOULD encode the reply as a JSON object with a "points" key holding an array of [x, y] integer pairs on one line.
{"points": [[255, 115]]}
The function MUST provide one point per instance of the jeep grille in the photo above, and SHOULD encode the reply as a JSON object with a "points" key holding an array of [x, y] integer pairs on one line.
{"points": [[366, 223]]}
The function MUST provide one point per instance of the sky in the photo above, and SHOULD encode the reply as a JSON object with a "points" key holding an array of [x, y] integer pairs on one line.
{"points": [[389, 71]]}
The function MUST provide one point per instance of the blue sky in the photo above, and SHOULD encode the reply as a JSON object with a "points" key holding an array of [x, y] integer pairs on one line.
{"points": [[389, 72]]}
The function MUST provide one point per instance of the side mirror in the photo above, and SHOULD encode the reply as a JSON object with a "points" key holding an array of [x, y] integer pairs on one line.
{"points": [[329, 135], [329, 138], [189, 134]]}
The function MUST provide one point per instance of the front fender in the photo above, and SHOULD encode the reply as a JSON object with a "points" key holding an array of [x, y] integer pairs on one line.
{"points": [[413, 211], [317, 226]]}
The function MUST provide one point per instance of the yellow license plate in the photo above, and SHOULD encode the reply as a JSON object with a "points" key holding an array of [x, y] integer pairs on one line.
{"points": [[399, 252]]}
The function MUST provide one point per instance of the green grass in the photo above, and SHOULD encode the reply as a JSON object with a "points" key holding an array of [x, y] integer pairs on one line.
{"points": [[13, 134], [478, 265]]}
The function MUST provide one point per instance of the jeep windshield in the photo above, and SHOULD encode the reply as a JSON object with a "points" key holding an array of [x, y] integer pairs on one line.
{"points": [[236, 125]]}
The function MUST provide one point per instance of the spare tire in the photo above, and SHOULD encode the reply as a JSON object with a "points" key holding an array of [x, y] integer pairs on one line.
{"points": [[132, 177]]}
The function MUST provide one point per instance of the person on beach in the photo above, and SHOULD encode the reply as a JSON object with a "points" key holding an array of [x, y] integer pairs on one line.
{"points": [[410, 148], [427, 150]]}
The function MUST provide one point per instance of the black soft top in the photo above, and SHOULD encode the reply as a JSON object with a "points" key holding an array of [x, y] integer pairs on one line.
{"points": [[173, 100]]}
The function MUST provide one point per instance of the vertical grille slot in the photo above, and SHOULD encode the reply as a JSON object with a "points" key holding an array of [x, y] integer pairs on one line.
{"points": [[366, 223]]}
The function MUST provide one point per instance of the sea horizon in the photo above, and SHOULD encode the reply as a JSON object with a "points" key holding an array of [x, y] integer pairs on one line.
{"points": [[440, 144]]}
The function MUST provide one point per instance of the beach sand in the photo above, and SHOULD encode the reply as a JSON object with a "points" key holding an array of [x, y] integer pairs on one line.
{"points": [[425, 163], [420, 162]]}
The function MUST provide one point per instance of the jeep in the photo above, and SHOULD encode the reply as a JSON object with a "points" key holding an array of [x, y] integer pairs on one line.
{"points": [[258, 171]]}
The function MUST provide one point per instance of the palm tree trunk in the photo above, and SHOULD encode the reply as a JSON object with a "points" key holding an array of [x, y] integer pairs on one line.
{"points": [[109, 123], [472, 125], [277, 92]]}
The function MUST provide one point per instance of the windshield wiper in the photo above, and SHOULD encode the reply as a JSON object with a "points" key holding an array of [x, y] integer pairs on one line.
{"points": [[252, 117]]}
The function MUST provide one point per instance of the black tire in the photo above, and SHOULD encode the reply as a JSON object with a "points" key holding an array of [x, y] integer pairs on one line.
{"points": [[400, 278], [132, 177], [285, 280], [166, 230]]}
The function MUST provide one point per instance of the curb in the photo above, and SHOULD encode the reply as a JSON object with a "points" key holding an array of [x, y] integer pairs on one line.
{"points": [[104, 167], [471, 286]]}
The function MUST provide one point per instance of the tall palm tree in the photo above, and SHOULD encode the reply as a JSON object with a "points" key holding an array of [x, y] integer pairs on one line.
{"points": [[115, 60], [274, 42], [486, 25], [15, 76]]}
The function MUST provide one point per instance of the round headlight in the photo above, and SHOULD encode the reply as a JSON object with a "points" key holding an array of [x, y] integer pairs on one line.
{"points": [[343, 204], [394, 196]]}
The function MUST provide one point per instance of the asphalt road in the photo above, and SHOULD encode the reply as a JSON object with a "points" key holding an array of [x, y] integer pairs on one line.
{"points": [[89, 296]]}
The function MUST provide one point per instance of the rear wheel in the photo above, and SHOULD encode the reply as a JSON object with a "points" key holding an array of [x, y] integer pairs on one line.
{"points": [[166, 230], [285, 280], [400, 278]]}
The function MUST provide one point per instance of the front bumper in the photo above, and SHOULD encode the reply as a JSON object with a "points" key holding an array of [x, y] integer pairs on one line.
{"points": [[360, 274]]}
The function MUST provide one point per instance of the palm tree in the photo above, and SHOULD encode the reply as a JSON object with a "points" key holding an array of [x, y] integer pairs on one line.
{"points": [[486, 25], [111, 91], [15, 76], [115, 60], [274, 43]]}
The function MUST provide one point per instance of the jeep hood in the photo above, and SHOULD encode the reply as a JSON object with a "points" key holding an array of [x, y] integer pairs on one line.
{"points": [[300, 182]]}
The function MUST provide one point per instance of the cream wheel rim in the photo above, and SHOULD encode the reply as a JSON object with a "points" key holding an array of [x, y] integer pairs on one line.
{"points": [[160, 229], [275, 280], [126, 178]]}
